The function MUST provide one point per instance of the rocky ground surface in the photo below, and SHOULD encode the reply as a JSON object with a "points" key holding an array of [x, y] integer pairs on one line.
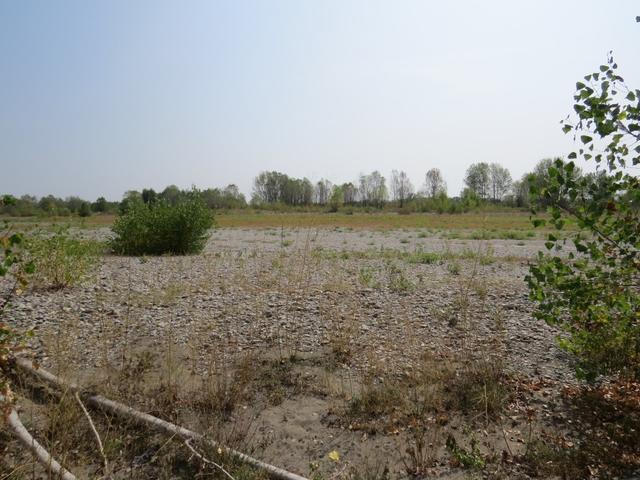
{"points": [[306, 294]]}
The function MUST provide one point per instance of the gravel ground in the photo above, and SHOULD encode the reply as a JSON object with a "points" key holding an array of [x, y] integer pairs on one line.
{"points": [[279, 292], [250, 290]]}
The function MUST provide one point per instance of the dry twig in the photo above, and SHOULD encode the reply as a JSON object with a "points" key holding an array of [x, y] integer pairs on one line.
{"points": [[95, 433], [205, 460]]}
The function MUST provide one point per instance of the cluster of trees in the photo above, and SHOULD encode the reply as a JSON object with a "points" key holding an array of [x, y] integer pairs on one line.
{"points": [[488, 181], [228, 197], [215, 198], [28, 205], [271, 188], [484, 183]]}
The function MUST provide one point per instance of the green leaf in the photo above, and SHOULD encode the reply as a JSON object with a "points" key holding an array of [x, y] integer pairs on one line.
{"points": [[539, 222]]}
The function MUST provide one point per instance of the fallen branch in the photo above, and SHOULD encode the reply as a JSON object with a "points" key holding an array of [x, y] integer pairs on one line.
{"points": [[124, 411], [19, 430]]}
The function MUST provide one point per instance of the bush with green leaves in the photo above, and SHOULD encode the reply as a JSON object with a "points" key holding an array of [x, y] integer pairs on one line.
{"points": [[60, 260], [13, 264], [592, 290], [156, 229]]}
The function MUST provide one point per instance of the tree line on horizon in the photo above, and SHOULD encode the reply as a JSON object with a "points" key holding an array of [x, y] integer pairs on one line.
{"points": [[485, 184]]}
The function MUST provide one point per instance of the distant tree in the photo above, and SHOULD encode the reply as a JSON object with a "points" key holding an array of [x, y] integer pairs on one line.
{"points": [[401, 187], [323, 191], [500, 181], [233, 197], [267, 187], [73, 204], [149, 196], [372, 189], [520, 189], [337, 198], [51, 205], [434, 183], [469, 199], [349, 193], [129, 198], [85, 209], [275, 187], [172, 195], [100, 205], [307, 192], [478, 179]]}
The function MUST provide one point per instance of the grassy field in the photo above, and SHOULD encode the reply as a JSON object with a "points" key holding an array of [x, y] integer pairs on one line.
{"points": [[492, 221]]}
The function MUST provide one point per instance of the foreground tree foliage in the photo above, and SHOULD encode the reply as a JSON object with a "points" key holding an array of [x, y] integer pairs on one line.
{"points": [[13, 265], [158, 228], [593, 294]]}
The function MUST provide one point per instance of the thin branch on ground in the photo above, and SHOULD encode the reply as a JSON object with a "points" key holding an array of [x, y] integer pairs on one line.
{"points": [[205, 460], [95, 433]]}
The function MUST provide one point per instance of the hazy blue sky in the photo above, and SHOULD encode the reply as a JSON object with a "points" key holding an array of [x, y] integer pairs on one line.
{"points": [[99, 97]]}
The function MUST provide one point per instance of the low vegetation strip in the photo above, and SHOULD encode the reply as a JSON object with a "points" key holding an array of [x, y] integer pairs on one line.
{"points": [[377, 221], [515, 225]]}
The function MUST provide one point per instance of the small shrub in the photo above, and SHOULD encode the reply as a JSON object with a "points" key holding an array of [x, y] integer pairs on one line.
{"points": [[61, 261], [366, 277], [398, 281], [479, 387], [422, 449], [471, 458], [454, 268], [424, 257], [376, 402], [162, 228]]}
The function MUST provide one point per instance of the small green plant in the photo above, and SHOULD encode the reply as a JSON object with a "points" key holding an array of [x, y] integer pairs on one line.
{"points": [[471, 458], [366, 277], [61, 261], [398, 281], [178, 229], [424, 257], [454, 268]]}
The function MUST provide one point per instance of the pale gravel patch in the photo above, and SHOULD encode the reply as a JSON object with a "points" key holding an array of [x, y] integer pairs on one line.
{"points": [[259, 290]]}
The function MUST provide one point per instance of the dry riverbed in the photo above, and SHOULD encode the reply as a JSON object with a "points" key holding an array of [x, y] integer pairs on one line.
{"points": [[402, 351]]}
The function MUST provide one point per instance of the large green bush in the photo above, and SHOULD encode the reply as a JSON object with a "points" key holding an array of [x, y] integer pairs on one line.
{"points": [[159, 228]]}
